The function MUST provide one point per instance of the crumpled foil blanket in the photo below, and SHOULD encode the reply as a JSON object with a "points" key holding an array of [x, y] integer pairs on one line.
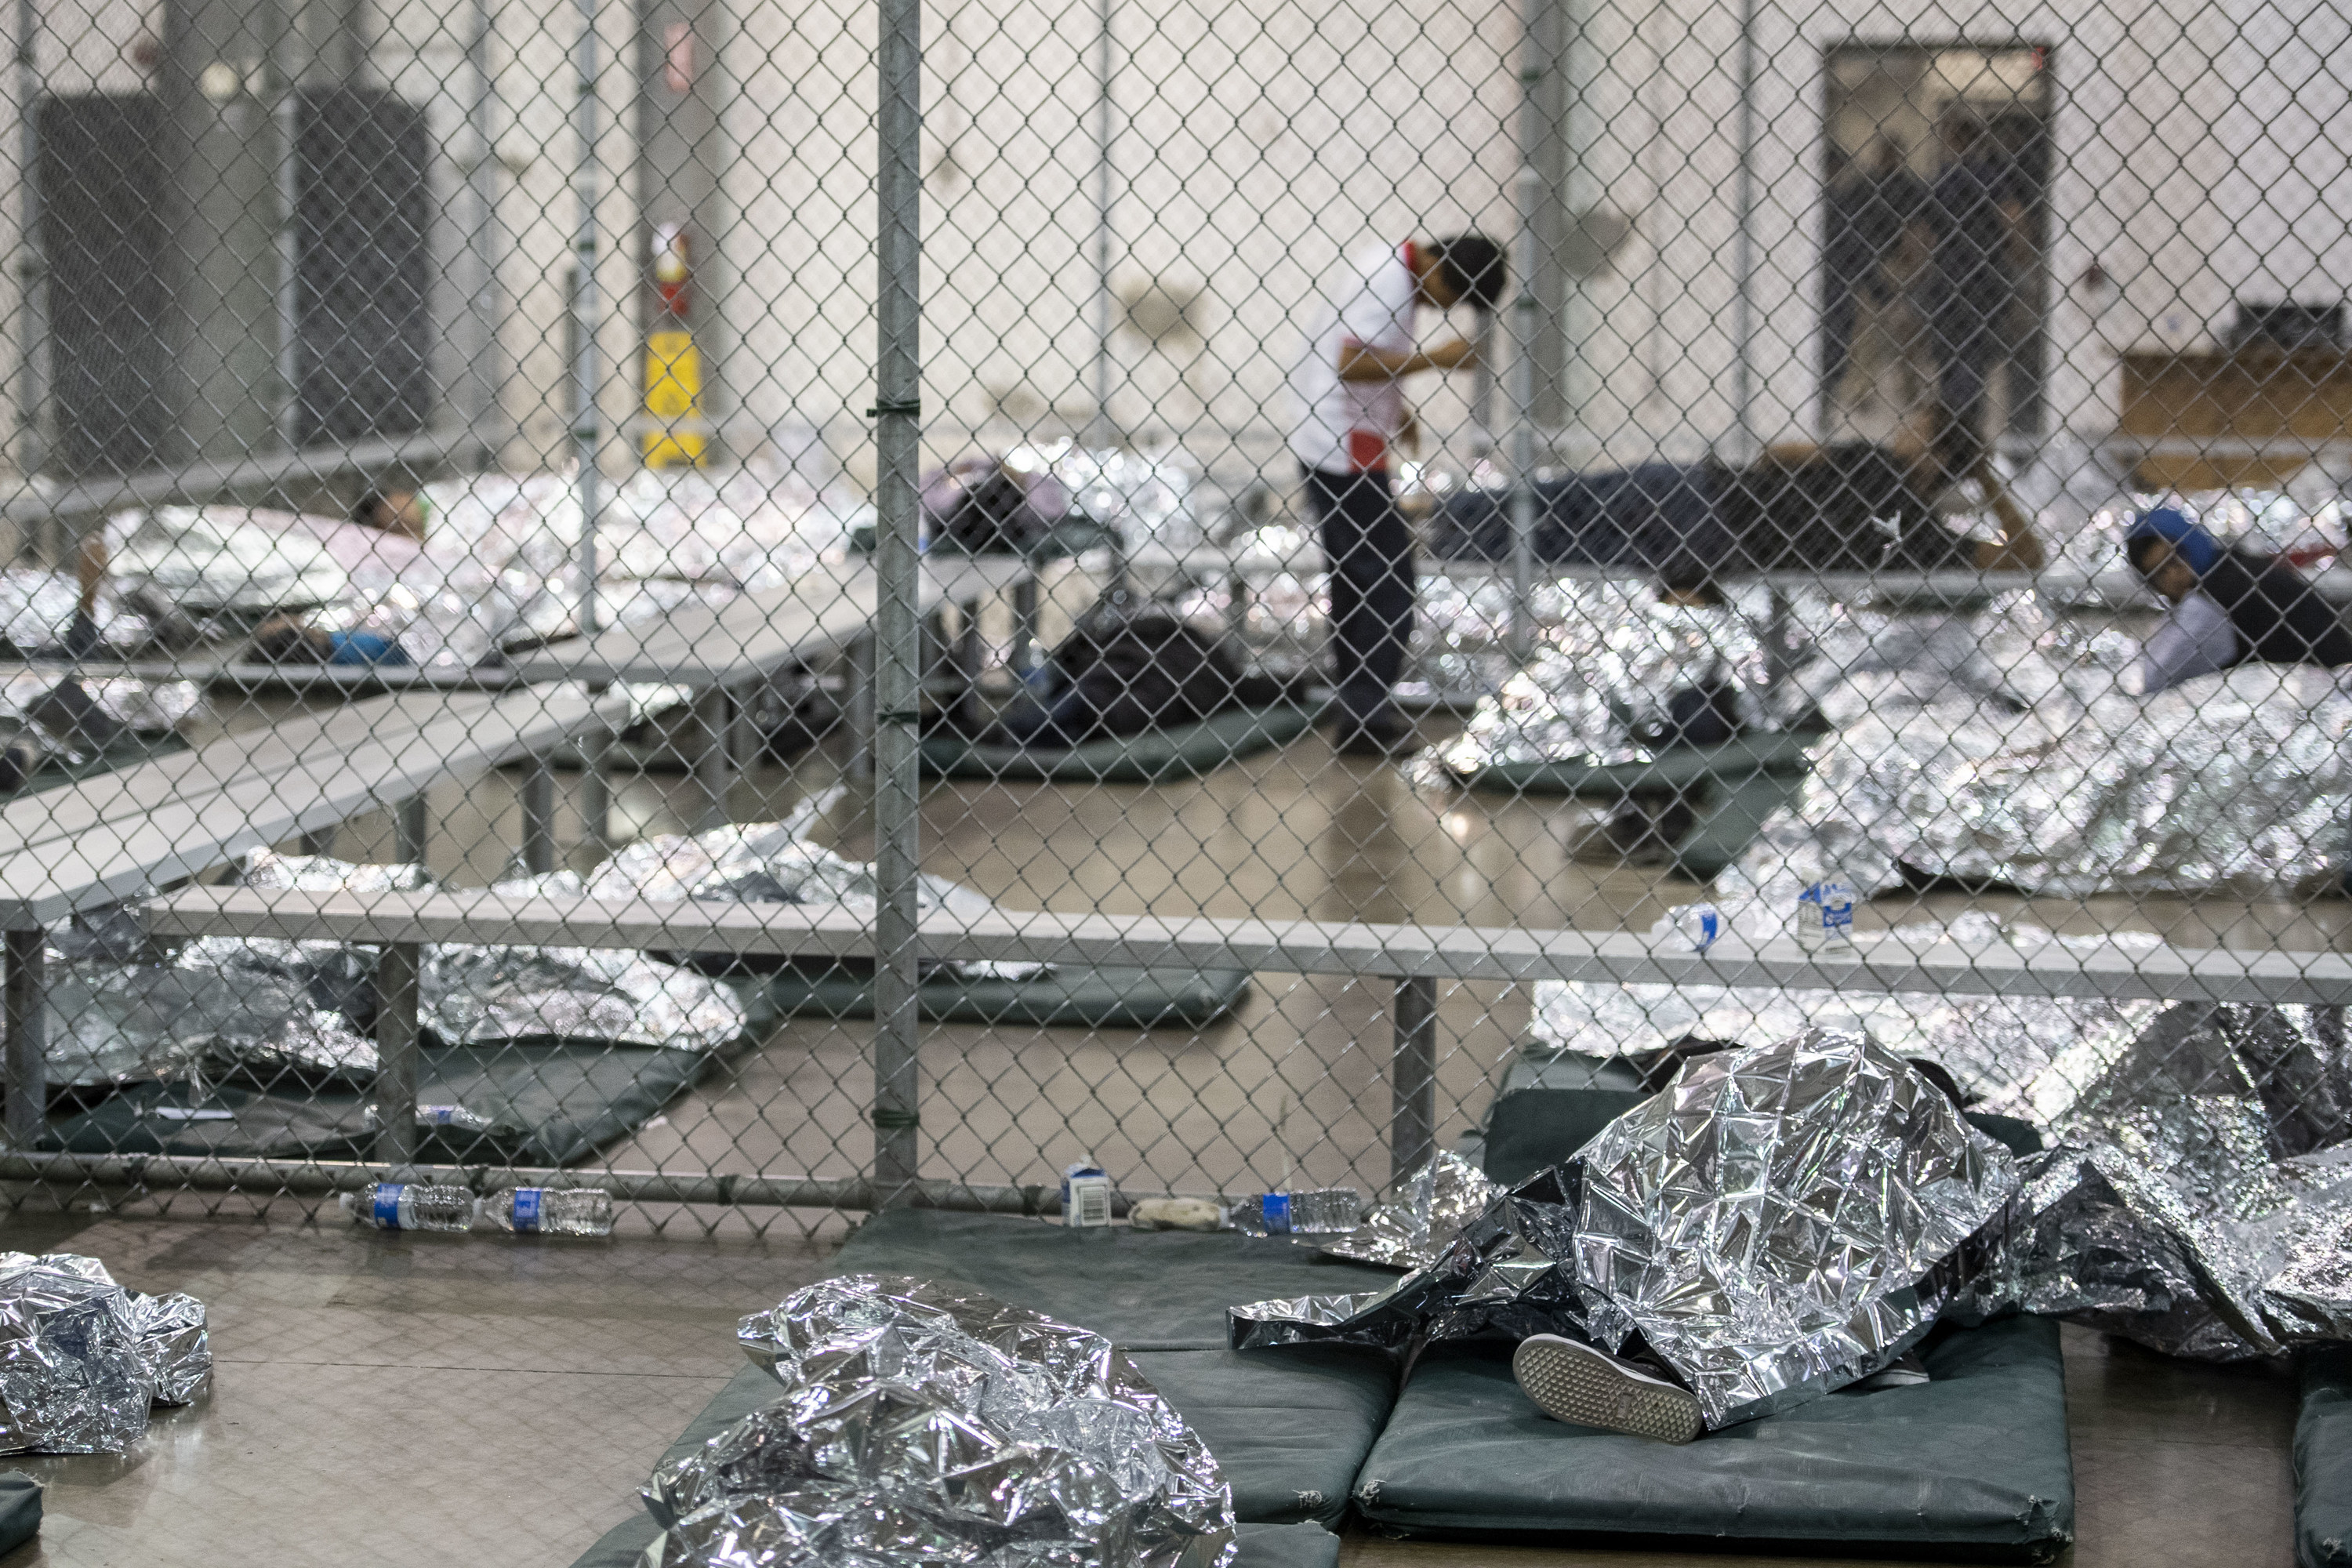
{"points": [[1997, 1048], [1606, 663], [920, 1423], [2005, 751], [82, 1360], [1414, 1229], [1781, 1221], [769, 862], [2198, 1197]]}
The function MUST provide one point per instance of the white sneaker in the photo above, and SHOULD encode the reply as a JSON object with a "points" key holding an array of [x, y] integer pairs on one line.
{"points": [[1906, 1371], [1570, 1381]]}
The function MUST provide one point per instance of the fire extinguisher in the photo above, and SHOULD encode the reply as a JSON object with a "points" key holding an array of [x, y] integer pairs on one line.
{"points": [[674, 270]]}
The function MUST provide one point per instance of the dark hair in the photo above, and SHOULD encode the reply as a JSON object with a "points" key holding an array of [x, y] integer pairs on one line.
{"points": [[1473, 267]]}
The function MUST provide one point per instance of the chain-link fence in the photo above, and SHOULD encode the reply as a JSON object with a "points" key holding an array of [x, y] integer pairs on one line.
{"points": [[786, 609]]}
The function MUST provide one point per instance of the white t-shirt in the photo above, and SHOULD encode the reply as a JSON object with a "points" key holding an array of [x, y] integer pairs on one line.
{"points": [[1345, 426], [2194, 639]]}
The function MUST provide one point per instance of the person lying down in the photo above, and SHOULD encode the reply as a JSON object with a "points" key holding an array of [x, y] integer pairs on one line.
{"points": [[2228, 607], [1779, 1223]]}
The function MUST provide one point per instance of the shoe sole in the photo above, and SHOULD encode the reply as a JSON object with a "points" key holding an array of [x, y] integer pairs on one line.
{"points": [[1570, 1383]]}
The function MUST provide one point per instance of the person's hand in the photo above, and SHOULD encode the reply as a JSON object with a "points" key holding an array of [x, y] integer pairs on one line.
{"points": [[1456, 355]]}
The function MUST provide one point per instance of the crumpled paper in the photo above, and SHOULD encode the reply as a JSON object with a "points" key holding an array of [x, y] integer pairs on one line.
{"points": [[1781, 1221], [2003, 749], [920, 1423], [82, 1360]]}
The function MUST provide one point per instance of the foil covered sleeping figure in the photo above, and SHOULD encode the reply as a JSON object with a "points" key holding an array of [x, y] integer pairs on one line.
{"points": [[922, 1423], [1782, 1220]]}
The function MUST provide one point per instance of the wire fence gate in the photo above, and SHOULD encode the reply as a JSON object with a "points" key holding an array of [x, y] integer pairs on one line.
{"points": [[786, 610]]}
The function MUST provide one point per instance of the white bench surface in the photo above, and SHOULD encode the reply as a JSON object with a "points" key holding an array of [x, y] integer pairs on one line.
{"points": [[2108, 969], [109, 837], [820, 612]]}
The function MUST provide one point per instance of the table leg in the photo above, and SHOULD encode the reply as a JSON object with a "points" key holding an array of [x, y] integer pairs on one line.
{"points": [[538, 817], [397, 971], [1413, 1079], [712, 766], [861, 711], [25, 1080], [411, 827]]}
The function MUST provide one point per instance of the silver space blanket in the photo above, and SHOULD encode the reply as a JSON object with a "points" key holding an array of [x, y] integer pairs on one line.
{"points": [[2198, 1197], [1781, 1221], [82, 1360], [2005, 748], [920, 1424]]}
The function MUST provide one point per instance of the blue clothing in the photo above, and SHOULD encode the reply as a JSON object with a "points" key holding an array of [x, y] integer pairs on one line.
{"points": [[2199, 549], [364, 648]]}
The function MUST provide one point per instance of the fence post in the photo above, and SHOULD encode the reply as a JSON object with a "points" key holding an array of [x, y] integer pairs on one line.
{"points": [[32, 264], [396, 1052], [1412, 1078], [587, 364], [26, 1081], [897, 1085]]}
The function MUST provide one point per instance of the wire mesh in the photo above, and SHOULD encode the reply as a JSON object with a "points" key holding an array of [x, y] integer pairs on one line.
{"points": [[787, 609]]}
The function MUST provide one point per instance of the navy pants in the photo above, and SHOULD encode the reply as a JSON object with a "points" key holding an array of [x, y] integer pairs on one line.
{"points": [[1368, 545]]}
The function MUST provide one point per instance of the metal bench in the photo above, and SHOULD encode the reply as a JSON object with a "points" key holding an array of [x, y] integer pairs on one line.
{"points": [[1413, 957], [105, 839]]}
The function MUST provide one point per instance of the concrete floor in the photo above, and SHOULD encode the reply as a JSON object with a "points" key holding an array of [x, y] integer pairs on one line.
{"points": [[434, 1400], [428, 1401]]}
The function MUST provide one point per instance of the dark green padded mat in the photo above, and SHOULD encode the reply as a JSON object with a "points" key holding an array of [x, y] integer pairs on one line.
{"points": [[550, 1105], [20, 1511], [2323, 1460], [1676, 768], [1183, 751], [1288, 1432], [1972, 1464], [1106, 998]]}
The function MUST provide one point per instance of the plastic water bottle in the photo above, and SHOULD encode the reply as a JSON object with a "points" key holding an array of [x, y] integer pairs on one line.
{"points": [[550, 1211], [1700, 925], [1324, 1211], [1825, 914], [410, 1206]]}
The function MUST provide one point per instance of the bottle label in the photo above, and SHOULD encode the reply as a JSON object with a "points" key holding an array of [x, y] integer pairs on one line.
{"points": [[1276, 1208], [526, 1207], [391, 1201]]}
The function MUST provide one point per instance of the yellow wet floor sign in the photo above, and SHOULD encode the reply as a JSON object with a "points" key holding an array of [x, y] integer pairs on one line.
{"points": [[673, 400]]}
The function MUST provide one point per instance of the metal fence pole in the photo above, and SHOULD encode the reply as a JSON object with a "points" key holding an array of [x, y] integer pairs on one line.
{"points": [[587, 365], [1102, 435], [897, 1085], [395, 1047], [32, 266], [1412, 1078], [1527, 321], [1743, 324], [26, 1079]]}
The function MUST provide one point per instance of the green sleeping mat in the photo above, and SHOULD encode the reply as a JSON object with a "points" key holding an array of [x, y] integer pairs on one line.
{"points": [[1109, 998], [1288, 1434], [2323, 1460], [20, 1512], [1972, 1464], [1183, 752], [1676, 768], [548, 1105]]}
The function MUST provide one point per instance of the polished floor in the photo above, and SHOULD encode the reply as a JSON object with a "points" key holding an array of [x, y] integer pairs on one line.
{"points": [[436, 1401], [422, 1400]]}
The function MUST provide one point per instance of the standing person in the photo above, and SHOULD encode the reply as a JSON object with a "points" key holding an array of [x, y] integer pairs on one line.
{"points": [[1978, 218], [1351, 410]]}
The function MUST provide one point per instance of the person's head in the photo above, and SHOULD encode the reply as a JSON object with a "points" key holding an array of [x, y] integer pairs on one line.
{"points": [[1962, 131], [1463, 269], [1685, 580], [1883, 159], [2171, 552]]}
